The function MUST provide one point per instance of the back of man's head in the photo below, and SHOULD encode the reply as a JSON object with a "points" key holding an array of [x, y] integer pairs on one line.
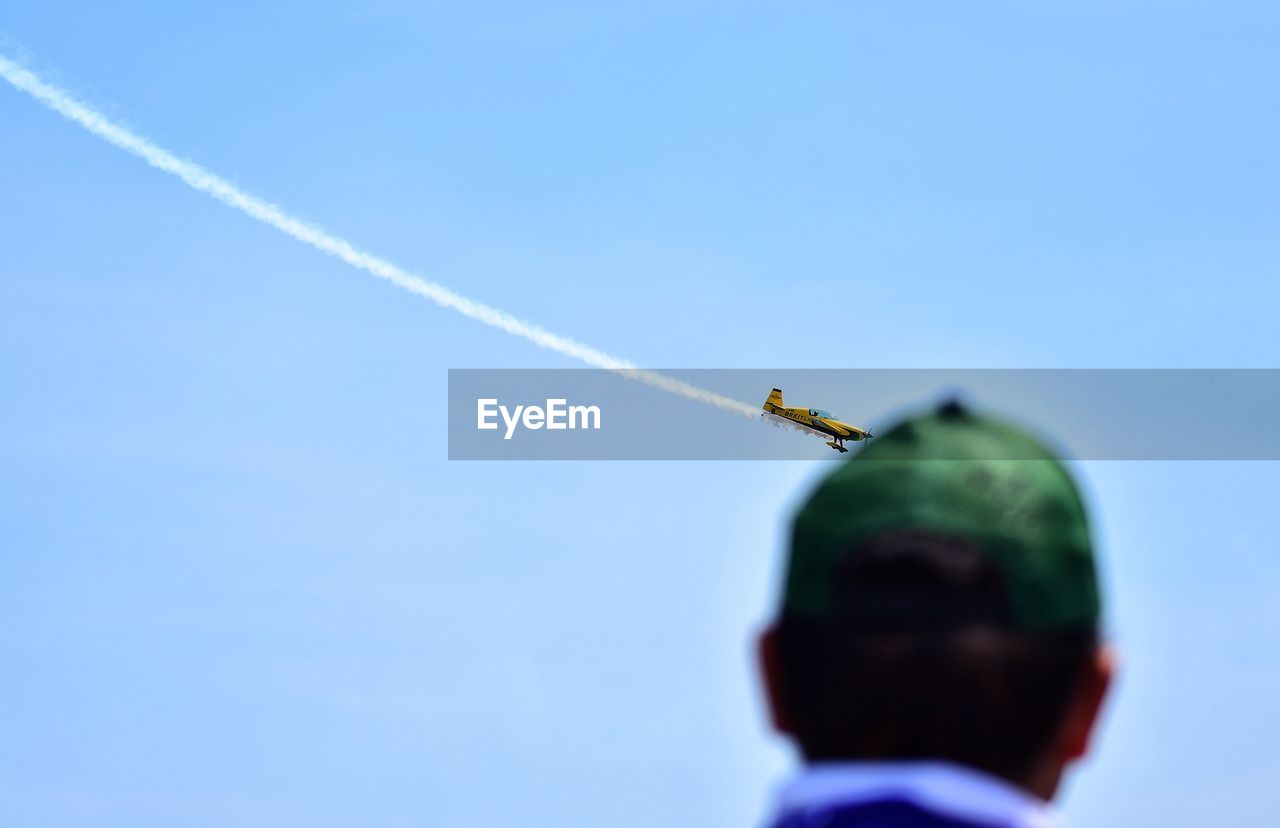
{"points": [[941, 603]]}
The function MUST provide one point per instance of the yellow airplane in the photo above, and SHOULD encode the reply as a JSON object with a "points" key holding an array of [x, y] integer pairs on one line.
{"points": [[815, 420]]}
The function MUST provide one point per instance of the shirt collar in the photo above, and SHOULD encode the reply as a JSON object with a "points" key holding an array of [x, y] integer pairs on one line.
{"points": [[941, 787]]}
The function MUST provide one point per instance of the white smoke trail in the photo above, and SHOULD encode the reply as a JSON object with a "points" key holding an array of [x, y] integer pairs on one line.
{"points": [[205, 181]]}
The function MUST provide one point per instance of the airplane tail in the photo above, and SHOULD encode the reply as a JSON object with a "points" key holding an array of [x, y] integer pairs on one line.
{"points": [[774, 401]]}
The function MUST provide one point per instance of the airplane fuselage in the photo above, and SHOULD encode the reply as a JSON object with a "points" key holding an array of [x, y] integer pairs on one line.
{"points": [[822, 425]]}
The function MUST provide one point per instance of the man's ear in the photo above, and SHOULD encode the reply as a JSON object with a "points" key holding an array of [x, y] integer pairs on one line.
{"points": [[768, 650], [1082, 716]]}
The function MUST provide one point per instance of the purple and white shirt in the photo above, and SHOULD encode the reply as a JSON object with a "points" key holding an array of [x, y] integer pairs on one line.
{"points": [[909, 794]]}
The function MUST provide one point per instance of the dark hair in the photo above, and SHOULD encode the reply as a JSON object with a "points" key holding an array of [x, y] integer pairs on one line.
{"points": [[921, 660]]}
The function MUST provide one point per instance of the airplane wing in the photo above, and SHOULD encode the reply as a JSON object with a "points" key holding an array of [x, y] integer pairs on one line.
{"points": [[845, 430], [838, 428]]}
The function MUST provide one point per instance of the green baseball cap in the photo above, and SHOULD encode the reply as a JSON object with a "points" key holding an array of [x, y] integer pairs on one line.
{"points": [[958, 474]]}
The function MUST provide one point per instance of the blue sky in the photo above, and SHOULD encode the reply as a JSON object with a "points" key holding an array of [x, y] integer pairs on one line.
{"points": [[241, 583]]}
